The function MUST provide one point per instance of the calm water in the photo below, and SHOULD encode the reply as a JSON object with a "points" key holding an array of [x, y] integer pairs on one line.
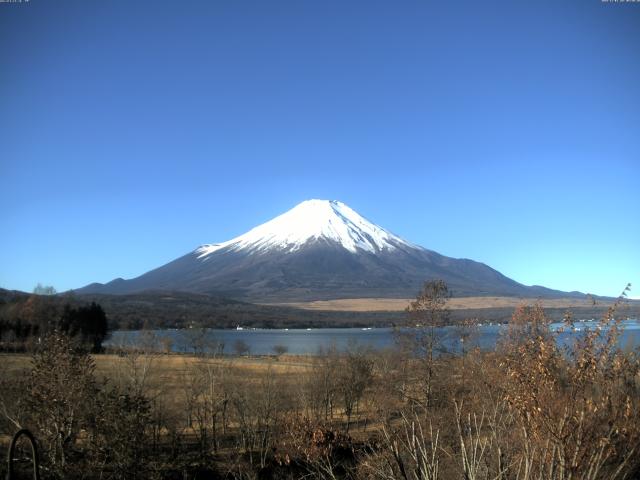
{"points": [[301, 341]]}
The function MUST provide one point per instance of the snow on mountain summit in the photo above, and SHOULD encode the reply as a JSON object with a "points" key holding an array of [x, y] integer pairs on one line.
{"points": [[308, 221]]}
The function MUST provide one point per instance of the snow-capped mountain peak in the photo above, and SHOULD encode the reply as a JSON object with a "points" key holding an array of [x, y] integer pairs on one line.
{"points": [[308, 221], [318, 250]]}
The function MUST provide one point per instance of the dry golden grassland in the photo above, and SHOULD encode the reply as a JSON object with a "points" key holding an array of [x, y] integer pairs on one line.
{"points": [[167, 373], [166, 377], [463, 303], [171, 365]]}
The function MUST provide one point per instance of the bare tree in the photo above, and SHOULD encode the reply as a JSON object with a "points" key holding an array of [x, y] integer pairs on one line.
{"points": [[213, 396], [280, 350], [133, 367], [577, 408], [61, 397], [354, 376], [241, 347], [258, 412], [322, 383], [411, 451], [427, 313]]}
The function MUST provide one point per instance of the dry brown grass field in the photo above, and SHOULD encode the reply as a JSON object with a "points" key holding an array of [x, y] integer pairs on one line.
{"points": [[168, 367], [462, 303], [164, 375], [165, 378]]}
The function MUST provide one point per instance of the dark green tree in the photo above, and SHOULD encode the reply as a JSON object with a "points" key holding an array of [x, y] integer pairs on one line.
{"points": [[88, 324]]}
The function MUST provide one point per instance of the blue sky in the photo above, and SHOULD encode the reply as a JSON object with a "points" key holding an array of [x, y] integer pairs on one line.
{"points": [[506, 132]]}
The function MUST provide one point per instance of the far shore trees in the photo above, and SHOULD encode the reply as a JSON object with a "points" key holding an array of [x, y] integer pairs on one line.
{"points": [[25, 321], [40, 289]]}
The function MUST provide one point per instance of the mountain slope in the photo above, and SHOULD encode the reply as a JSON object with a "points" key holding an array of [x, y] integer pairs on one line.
{"points": [[318, 250]]}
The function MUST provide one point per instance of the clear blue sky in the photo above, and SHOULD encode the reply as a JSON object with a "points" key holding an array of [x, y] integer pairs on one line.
{"points": [[503, 131]]}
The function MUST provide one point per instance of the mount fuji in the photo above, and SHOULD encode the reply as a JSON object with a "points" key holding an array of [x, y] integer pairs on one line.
{"points": [[319, 250]]}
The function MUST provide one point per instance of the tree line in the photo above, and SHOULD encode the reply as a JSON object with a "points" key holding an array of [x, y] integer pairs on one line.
{"points": [[25, 320]]}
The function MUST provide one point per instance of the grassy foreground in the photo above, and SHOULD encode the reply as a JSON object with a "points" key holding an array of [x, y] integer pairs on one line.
{"points": [[529, 410]]}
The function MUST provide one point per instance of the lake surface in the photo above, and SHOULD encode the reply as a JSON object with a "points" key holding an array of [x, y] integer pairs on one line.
{"points": [[309, 341]]}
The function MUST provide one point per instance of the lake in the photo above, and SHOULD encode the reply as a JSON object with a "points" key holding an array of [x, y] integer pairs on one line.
{"points": [[309, 341]]}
